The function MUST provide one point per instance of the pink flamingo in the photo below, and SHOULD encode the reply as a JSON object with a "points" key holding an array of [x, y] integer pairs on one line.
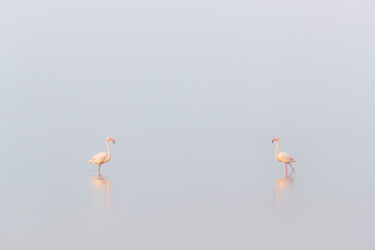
{"points": [[102, 157], [282, 156]]}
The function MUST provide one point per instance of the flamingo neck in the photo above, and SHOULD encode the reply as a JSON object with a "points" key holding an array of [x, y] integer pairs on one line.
{"points": [[277, 149], [109, 152]]}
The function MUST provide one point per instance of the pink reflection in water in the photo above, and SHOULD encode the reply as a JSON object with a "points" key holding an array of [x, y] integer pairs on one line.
{"points": [[282, 185], [102, 190]]}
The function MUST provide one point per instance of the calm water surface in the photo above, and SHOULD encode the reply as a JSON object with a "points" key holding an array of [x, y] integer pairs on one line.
{"points": [[183, 191]]}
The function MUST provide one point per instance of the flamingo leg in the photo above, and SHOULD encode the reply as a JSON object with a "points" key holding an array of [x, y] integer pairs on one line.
{"points": [[286, 168], [291, 167], [99, 169]]}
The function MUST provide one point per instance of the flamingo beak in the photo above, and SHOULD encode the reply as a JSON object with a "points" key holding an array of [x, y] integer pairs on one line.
{"points": [[113, 141], [273, 141]]}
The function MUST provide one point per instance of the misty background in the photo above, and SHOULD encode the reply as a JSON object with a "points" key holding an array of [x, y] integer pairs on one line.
{"points": [[193, 92]]}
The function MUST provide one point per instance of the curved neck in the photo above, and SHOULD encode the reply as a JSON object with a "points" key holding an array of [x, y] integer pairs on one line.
{"points": [[277, 149], [109, 152]]}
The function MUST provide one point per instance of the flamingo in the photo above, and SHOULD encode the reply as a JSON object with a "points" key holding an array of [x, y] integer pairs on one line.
{"points": [[102, 157], [283, 157]]}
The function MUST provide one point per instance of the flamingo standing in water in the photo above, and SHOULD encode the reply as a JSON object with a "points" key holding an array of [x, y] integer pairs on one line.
{"points": [[102, 157], [283, 157]]}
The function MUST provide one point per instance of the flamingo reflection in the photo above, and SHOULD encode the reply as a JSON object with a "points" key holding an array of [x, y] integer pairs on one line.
{"points": [[283, 184], [102, 187]]}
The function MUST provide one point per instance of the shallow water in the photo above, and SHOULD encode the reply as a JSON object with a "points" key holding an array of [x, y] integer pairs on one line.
{"points": [[182, 192]]}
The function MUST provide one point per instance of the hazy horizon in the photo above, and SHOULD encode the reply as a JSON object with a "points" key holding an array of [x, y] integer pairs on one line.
{"points": [[193, 92]]}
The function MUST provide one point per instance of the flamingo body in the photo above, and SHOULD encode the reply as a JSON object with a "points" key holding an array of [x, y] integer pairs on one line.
{"points": [[102, 157], [285, 157]]}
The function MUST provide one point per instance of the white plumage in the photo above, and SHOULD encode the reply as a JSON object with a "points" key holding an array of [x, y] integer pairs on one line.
{"points": [[285, 157], [100, 158]]}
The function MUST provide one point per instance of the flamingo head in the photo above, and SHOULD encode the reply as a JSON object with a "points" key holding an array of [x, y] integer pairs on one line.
{"points": [[275, 139], [110, 139]]}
